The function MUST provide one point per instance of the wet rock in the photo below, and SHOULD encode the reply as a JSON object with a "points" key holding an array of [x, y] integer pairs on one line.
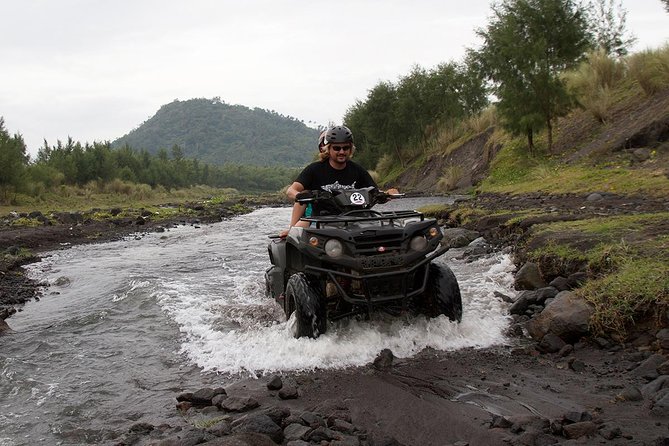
{"points": [[186, 396], [630, 393], [663, 369], [458, 237], [68, 218], [503, 297], [62, 281], [141, 428], [312, 420], [277, 414], [275, 383], [384, 360], [566, 350], [218, 399], [610, 431], [204, 396], [660, 405], [346, 440], [184, 406], [528, 277], [560, 283], [662, 337], [221, 428], [342, 426], [498, 421], [643, 340], [258, 423], [532, 299], [380, 439], [521, 423], [579, 430], [576, 365], [551, 343], [187, 437], [239, 404], [648, 368], [242, 439], [288, 392], [321, 434], [652, 388], [576, 417], [567, 316], [641, 154], [4, 328], [298, 443], [296, 431], [594, 197], [535, 438]]}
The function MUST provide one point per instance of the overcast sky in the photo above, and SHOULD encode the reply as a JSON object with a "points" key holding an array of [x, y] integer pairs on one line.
{"points": [[96, 69]]}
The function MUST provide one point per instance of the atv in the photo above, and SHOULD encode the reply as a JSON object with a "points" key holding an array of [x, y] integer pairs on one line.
{"points": [[355, 260]]}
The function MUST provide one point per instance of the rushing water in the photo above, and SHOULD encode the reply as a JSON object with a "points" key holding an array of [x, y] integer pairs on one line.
{"points": [[126, 325]]}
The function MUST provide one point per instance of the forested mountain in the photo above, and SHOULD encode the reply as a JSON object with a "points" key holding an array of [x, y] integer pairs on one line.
{"points": [[219, 133]]}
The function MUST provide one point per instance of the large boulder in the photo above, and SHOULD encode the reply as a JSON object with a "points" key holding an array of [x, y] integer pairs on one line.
{"points": [[567, 316], [4, 328], [458, 237], [529, 277]]}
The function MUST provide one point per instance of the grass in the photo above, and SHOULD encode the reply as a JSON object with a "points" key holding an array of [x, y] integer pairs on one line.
{"points": [[636, 290], [629, 270], [516, 172], [68, 198]]}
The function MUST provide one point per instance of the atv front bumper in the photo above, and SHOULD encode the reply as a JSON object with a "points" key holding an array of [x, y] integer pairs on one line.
{"points": [[384, 287]]}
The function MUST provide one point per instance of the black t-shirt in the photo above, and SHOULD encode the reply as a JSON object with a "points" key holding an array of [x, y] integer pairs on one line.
{"points": [[321, 175]]}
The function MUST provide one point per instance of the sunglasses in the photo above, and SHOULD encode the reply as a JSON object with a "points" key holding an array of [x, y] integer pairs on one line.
{"points": [[340, 148]]}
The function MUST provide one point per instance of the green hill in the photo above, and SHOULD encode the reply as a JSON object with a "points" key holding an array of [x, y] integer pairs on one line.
{"points": [[219, 133]]}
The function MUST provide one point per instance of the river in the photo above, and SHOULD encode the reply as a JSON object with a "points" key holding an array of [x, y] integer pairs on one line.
{"points": [[127, 325]]}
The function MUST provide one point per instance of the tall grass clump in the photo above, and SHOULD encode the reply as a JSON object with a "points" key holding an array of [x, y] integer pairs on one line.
{"points": [[450, 178], [592, 84], [650, 68], [384, 165], [455, 132]]}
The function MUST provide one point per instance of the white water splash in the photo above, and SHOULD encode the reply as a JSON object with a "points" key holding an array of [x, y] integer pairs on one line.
{"points": [[241, 331]]}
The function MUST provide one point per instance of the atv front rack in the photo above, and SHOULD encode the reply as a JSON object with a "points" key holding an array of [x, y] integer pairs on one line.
{"points": [[355, 217], [370, 300]]}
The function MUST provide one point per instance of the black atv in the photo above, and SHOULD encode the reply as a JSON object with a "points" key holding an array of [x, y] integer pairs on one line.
{"points": [[357, 260]]}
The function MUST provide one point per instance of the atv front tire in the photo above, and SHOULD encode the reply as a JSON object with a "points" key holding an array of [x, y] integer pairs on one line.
{"points": [[442, 293], [308, 304]]}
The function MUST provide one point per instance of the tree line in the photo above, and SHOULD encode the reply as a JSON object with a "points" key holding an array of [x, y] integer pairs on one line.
{"points": [[527, 47], [76, 164]]}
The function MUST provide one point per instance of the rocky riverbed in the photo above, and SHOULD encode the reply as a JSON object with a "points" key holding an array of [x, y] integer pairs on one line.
{"points": [[552, 383]]}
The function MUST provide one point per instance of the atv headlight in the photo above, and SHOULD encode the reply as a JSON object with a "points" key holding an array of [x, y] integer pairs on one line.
{"points": [[334, 248], [418, 243]]}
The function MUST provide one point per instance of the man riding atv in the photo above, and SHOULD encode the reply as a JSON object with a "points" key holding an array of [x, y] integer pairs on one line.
{"points": [[348, 259], [334, 171]]}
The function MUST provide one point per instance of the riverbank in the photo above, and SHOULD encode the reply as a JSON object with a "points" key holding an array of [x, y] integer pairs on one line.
{"points": [[588, 392]]}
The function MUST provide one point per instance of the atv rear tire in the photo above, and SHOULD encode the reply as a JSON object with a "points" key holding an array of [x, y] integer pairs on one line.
{"points": [[308, 304], [442, 293]]}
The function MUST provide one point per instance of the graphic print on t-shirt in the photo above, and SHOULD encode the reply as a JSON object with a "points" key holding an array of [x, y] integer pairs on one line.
{"points": [[337, 186]]}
